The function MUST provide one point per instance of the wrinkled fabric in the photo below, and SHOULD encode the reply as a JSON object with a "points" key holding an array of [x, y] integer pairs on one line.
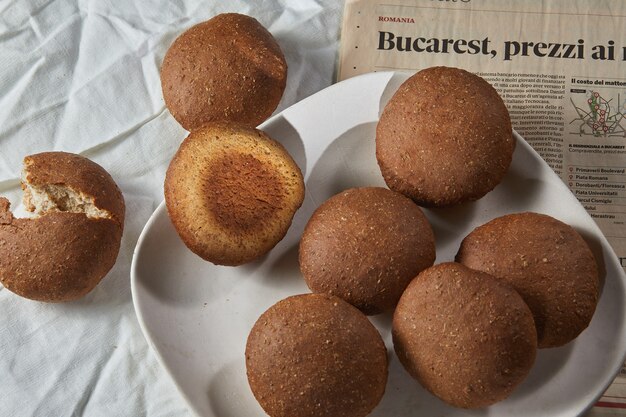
{"points": [[83, 77]]}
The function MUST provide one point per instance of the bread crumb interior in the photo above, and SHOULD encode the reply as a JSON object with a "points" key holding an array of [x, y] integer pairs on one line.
{"points": [[41, 200]]}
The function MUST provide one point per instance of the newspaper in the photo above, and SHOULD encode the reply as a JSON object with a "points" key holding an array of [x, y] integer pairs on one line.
{"points": [[560, 67]]}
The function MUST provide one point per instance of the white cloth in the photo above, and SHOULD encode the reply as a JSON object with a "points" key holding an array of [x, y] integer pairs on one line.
{"points": [[83, 76]]}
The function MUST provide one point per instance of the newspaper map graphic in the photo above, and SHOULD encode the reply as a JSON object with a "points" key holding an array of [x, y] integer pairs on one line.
{"points": [[601, 117]]}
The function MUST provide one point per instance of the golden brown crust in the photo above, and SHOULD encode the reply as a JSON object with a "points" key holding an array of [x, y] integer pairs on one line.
{"points": [[444, 138], [547, 262], [465, 336], [231, 192], [57, 257], [365, 245], [79, 174], [227, 68], [315, 355]]}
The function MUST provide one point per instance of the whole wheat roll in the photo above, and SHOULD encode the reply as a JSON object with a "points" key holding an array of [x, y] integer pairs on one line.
{"points": [[444, 138], [73, 241], [547, 262], [365, 245], [231, 192], [466, 336], [227, 68], [314, 355]]}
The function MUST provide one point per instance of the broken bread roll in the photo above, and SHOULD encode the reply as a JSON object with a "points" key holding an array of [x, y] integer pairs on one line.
{"points": [[548, 262], [231, 192], [63, 252]]}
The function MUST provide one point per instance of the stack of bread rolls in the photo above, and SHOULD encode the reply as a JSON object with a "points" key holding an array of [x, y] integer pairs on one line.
{"points": [[231, 190]]}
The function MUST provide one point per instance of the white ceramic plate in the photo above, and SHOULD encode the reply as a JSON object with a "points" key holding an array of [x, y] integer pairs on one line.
{"points": [[196, 316]]}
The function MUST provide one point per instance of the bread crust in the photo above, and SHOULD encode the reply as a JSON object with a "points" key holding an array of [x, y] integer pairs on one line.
{"points": [[365, 245], [444, 138], [57, 257], [547, 262], [227, 68], [467, 337], [231, 192], [314, 355]]}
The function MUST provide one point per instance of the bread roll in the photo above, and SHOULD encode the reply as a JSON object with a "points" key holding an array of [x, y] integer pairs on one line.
{"points": [[63, 253], [231, 192], [547, 262], [466, 336], [365, 245], [444, 138], [315, 355], [227, 68]]}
